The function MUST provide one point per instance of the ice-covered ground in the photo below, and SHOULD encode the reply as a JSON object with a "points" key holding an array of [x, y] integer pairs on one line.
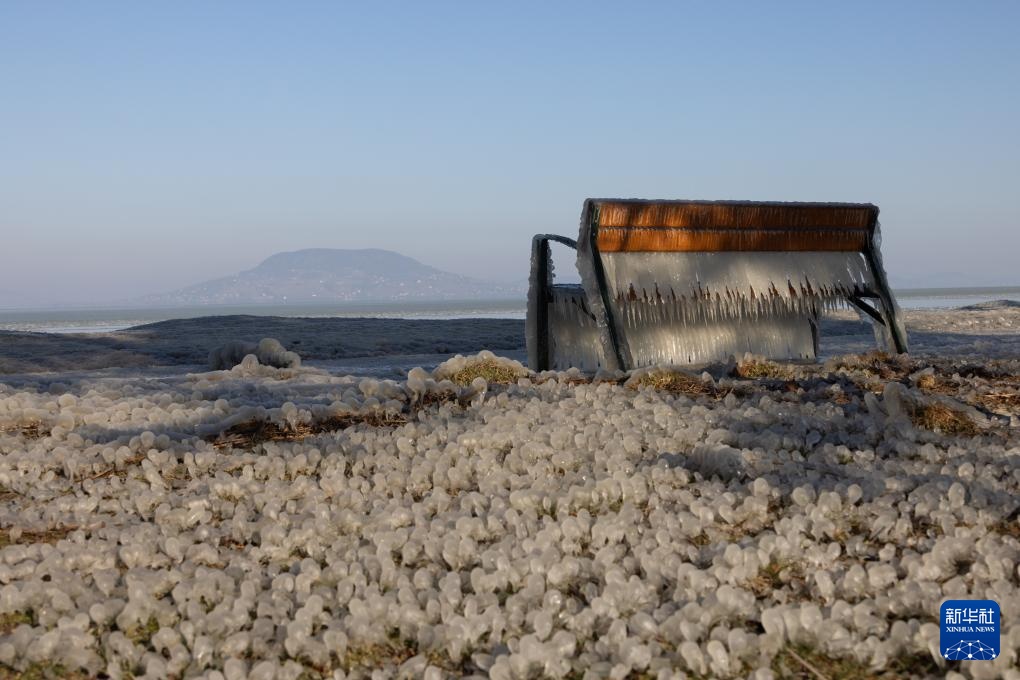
{"points": [[186, 343], [769, 519]]}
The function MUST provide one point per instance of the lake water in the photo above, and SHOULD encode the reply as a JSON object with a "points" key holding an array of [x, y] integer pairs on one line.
{"points": [[102, 320], [950, 298]]}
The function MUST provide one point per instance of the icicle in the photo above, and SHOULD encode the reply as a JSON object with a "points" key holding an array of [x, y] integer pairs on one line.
{"points": [[704, 306]]}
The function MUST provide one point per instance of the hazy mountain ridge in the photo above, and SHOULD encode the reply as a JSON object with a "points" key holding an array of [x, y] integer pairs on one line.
{"points": [[334, 275]]}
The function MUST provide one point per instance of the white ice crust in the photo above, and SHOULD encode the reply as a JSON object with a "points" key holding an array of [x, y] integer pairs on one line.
{"points": [[518, 531]]}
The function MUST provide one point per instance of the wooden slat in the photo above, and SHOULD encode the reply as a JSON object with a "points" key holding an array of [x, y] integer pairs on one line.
{"points": [[735, 215], [625, 239]]}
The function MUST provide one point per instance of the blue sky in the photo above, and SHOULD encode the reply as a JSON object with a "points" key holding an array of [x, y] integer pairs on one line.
{"points": [[146, 146]]}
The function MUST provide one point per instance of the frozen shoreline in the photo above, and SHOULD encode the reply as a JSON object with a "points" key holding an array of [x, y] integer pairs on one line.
{"points": [[186, 343], [374, 346], [274, 522]]}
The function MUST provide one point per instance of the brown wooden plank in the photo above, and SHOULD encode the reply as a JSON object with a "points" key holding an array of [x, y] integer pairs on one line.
{"points": [[626, 239], [735, 215]]}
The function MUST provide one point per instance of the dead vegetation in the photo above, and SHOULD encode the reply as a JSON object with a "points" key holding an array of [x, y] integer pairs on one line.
{"points": [[878, 364], [942, 419], [13, 536], [924, 527], [1008, 526], [802, 661], [701, 540], [250, 434], [774, 576], [378, 656], [11, 620], [575, 379], [232, 544], [997, 390], [756, 369], [41, 670], [30, 430], [1003, 403], [494, 372], [385, 656], [142, 633], [676, 382], [854, 526], [936, 384], [436, 398], [118, 470]]}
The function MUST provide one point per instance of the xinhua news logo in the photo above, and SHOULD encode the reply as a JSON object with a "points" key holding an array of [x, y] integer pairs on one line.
{"points": [[970, 630]]}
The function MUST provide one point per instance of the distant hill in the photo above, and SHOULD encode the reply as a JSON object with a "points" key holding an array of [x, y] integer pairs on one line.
{"points": [[329, 275]]}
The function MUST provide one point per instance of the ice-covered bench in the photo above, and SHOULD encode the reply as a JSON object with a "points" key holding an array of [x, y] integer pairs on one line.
{"points": [[689, 282]]}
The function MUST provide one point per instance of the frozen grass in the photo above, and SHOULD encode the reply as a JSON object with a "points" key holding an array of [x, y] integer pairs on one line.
{"points": [[30, 430], [776, 575], [755, 369], [877, 364], [1007, 527], [141, 634], [940, 418], [393, 653], [674, 381], [1002, 395], [805, 662], [251, 433], [12, 536], [493, 372], [11, 620], [42, 670], [931, 383], [1002, 402]]}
